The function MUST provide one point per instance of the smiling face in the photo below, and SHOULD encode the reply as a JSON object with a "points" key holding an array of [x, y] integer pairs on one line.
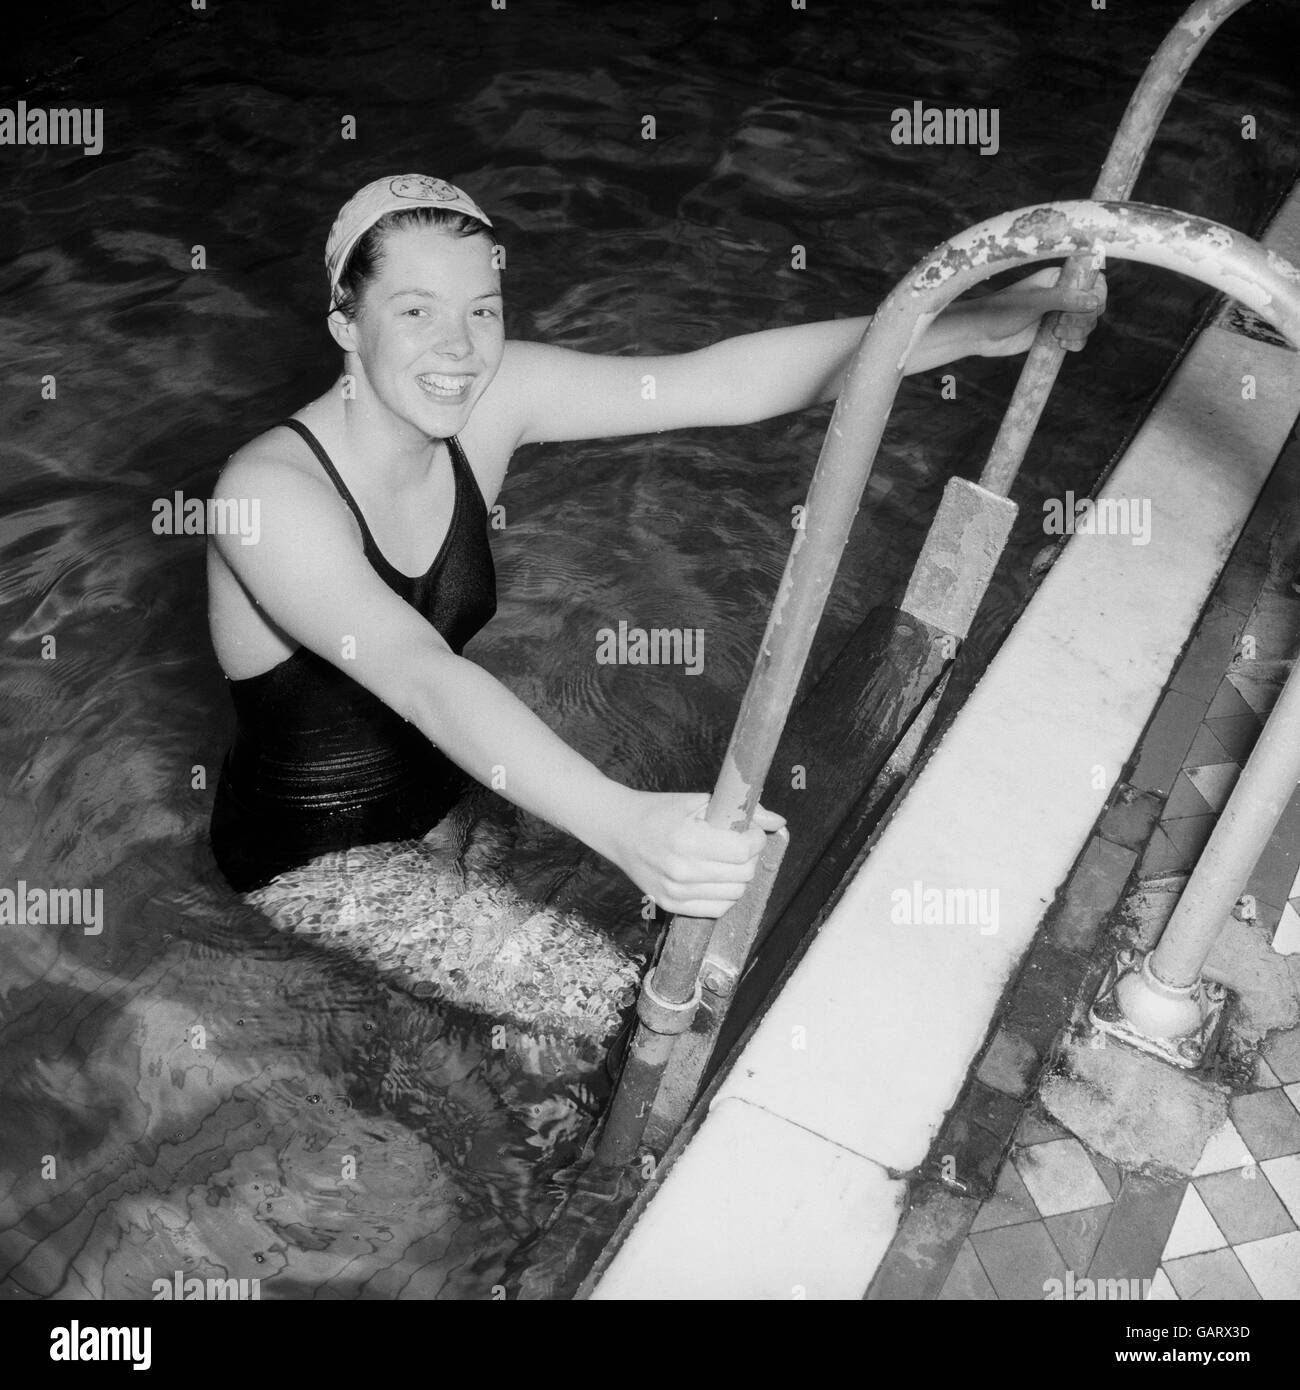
{"points": [[428, 334]]}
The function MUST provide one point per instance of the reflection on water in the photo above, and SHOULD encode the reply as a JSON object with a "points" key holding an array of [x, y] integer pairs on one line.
{"points": [[190, 1090]]}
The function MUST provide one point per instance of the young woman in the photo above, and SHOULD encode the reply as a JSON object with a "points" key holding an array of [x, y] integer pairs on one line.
{"points": [[341, 629]]}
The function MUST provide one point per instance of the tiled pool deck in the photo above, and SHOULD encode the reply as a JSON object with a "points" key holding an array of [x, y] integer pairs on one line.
{"points": [[1009, 1199]]}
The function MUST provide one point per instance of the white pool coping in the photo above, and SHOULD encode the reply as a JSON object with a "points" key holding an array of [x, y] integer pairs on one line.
{"points": [[787, 1189]]}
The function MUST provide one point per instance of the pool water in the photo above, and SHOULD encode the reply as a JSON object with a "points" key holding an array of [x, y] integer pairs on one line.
{"points": [[188, 1090]]}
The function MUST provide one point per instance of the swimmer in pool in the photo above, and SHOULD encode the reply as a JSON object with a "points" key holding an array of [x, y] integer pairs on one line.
{"points": [[341, 629]]}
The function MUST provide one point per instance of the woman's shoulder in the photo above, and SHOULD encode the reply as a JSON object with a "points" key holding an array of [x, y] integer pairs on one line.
{"points": [[279, 457]]}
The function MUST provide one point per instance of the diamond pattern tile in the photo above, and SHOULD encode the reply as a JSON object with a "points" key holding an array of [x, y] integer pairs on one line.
{"points": [[1214, 781], [1167, 739], [1076, 1234], [1206, 749], [1233, 1231], [1283, 1175], [1035, 1129], [1260, 695], [1019, 1260], [1273, 1265], [1215, 1275], [1185, 800], [1194, 1229], [1286, 939], [967, 1281], [1228, 702], [1237, 734], [1138, 1227], [1060, 1177], [1009, 1205], [1268, 1122], [1244, 1205], [1224, 1149]]}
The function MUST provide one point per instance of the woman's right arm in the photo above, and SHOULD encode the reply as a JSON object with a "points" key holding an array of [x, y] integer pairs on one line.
{"points": [[308, 576]]}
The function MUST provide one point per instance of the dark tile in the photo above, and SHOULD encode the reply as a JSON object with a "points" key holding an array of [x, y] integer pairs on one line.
{"points": [[1237, 734], [1019, 1260], [1268, 1122], [1044, 995], [1206, 749], [1162, 856], [1206, 658], [995, 1111], [979, 1160], [1244, 1205], [1227, 703], [1009, 1205], [1091, 895], [1008, 1064], [1037, 1128], [927, 1243], [1259, 689], [1184, 800], [1188, 836], [1215, 782], [967, 1153], [1216, 1275], [1110, 1175], [1272, 877], [967, 1283], [1130, 820], [1140, 1221], [1166, 741], [1076, 1235], [1239, 586]]}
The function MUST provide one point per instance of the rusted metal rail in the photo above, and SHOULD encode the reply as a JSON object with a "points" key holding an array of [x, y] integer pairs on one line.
{"points": [[1204, 250], [961, 551], [1128, 151]]}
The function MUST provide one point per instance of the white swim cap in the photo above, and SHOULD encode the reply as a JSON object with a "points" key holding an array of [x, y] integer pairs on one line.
{"points": [[365, 208]]}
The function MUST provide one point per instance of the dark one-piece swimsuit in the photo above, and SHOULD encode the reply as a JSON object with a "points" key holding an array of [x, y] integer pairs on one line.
{"points": [[318, 762]]}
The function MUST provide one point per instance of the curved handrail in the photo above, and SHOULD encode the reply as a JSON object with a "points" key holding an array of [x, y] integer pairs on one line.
{"points": [[1128, 151], [1194, 246], [1204, 250]]}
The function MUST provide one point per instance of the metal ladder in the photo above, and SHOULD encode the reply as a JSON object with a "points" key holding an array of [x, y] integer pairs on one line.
{"points": [[702, 961]]}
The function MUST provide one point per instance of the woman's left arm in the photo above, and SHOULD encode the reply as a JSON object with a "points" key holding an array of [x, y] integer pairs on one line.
{"points": [[556, 393]]}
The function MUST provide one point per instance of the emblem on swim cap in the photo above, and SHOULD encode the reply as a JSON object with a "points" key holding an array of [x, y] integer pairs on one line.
{"points": [[427, 190], [365, 208]]}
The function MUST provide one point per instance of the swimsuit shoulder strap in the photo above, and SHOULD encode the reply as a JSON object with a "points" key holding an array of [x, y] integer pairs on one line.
{"points": [[327, 464], [461, 463]]}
